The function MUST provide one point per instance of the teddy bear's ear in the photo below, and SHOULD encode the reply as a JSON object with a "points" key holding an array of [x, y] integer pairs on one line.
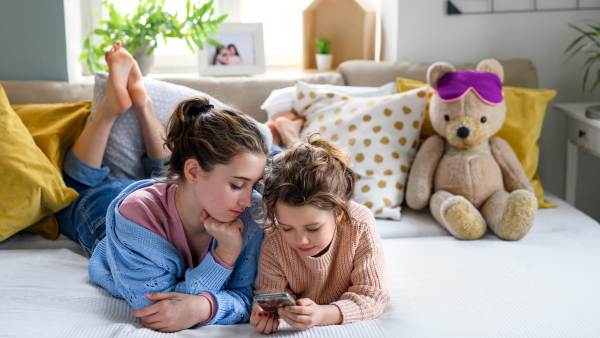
{"points": [[436, 71], [491, 66]]}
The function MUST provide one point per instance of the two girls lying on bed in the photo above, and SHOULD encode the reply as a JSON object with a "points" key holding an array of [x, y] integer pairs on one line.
{"points": [[183, 250]]}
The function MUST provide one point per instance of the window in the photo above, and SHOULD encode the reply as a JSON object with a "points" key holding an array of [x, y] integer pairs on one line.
{"points": [[282, 30]]}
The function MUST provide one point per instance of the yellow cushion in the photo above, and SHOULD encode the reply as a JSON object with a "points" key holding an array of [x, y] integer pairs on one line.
{"points": [[32, 188], [55, 127], [524, 117]]}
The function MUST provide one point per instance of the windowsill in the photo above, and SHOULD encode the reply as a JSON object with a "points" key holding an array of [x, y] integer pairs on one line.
{"points": [[276, 73]]}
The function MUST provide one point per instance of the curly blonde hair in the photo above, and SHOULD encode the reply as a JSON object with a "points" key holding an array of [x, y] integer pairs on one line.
{"points": [[313, 171]]}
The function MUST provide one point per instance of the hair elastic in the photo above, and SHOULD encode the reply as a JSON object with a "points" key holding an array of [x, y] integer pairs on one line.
{"points": [[195, 111]]}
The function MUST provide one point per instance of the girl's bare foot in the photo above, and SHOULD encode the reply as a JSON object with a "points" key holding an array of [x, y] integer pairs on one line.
{"points": [[288, 130], [136, 87], [119, 63]]}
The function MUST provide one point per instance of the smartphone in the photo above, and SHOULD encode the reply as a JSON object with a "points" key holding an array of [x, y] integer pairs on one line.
{"points": [[273, 301]]}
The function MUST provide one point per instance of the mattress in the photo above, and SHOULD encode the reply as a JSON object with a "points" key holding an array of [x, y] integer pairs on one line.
{"points": [[546, 285]]}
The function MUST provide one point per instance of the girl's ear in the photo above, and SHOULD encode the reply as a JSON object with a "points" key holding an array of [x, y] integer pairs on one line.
{"points": [[192, 170], [436, 71]]}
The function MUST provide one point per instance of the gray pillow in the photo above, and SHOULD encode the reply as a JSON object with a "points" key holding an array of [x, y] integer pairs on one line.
{"points": [[125, 147]]}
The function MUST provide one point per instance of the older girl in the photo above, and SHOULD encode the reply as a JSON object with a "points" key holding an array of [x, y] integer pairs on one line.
{"points": [[181, 251], [323, 249]]}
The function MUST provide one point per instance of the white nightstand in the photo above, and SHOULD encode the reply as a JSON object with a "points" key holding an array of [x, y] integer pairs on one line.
{"points": [[583, 134]]}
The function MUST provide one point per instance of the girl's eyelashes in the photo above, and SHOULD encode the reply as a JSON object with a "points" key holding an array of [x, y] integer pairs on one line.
{"points": [[236, 187], [286, 230], [313, 230]]}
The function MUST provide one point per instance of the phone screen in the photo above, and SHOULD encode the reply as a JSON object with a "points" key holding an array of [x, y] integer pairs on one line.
{"points": [[272, 302]]}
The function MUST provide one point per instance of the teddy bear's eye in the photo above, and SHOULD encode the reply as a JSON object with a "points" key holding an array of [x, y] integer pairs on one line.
{"points": [[483, 119], [446, 117]]}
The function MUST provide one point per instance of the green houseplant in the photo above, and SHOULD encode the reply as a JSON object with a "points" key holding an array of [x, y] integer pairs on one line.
{"points": [[587, 43], [146, 26], [323, 46]]}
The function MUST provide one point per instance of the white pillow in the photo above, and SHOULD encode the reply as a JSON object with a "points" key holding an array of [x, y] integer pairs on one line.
{"points": [[281, 100], [125, 147], [382, 133]]}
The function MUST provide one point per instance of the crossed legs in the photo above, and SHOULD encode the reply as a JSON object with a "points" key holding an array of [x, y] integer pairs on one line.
{"points": [[124, 89]]}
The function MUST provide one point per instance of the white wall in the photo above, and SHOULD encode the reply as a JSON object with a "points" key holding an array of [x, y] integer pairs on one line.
{"points": [[426, 34]]}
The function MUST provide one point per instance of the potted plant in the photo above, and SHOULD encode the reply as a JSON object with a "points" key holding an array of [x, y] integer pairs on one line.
{"points": [[323, 45], [140, 32], [587, 43]]}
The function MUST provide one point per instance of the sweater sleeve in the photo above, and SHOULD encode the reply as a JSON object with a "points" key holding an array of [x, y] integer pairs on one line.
{"points": [[367, 293], [271, 277], [139, 272], [234, 300]]}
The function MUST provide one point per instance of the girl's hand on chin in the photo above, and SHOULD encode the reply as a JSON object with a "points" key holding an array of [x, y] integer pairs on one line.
{"points": [[228, 236]]}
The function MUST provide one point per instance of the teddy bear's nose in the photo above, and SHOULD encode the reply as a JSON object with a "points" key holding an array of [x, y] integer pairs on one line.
{"points": [[462, 132]]}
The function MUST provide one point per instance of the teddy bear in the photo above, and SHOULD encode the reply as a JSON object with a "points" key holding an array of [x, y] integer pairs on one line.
{"points": [[470, 179]]}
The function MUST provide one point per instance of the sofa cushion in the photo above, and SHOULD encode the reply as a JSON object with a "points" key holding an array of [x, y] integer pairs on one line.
{"points": [[517, 72], [32, 188], [28, 92], [382, 133], [247, 93], [282, 100]]}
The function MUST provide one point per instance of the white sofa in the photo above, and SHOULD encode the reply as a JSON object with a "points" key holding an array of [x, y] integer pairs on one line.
{"points": [[546, 285]]}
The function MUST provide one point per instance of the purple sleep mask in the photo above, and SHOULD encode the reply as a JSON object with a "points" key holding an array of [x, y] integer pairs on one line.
{"points": [[454, 86]]}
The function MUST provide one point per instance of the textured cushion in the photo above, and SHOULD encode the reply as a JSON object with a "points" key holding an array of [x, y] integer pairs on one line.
{"points": [[32, 188], [281, 100], [525, 110], [382, 133], [517, 72]]}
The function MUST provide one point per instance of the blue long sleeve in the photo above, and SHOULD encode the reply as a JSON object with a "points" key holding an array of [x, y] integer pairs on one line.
{"points": [[132, 261]]}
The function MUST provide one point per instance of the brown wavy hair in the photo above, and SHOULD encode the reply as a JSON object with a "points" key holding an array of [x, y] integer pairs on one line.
{"points": [[313, 171], [197, 130]]}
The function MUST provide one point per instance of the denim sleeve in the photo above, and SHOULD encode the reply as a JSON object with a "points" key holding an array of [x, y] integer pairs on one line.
{"points": [[154, 167]]}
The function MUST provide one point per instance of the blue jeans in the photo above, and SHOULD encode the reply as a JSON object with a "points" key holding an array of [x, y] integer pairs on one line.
{"points": [[84, 220]]}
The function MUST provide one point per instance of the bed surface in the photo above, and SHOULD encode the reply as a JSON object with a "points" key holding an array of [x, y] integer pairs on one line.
{"points": [[546, 285]]}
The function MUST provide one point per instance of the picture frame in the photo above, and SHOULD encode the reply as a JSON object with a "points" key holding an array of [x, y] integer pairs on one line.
{"points": [[245, 58]]}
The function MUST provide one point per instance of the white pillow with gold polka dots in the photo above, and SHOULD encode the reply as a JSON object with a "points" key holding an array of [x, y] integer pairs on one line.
{"points": [[382, 132]]}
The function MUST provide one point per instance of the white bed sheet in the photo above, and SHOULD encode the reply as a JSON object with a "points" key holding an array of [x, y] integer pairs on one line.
{"points": [[546, 285], [420, 223]]}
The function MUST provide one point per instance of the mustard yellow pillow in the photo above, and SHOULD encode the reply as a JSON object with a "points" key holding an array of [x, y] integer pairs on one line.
{"points": [[522, 128], [32, 188], [54, 127]]}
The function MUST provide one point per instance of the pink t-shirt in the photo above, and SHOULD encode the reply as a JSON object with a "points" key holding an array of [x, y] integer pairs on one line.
{"points": [[154, 208]]}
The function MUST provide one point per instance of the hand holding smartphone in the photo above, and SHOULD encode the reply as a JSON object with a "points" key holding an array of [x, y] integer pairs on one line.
{"points": [[273, 301]]}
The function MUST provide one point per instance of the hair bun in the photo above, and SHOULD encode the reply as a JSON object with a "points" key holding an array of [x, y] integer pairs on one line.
{"points": [[195, 110]]}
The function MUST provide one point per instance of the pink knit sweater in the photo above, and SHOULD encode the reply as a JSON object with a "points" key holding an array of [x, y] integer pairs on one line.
{"points": [[350, 275]]}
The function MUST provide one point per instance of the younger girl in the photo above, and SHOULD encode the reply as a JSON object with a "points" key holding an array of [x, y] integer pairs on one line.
{"points": [[322, 249]]}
